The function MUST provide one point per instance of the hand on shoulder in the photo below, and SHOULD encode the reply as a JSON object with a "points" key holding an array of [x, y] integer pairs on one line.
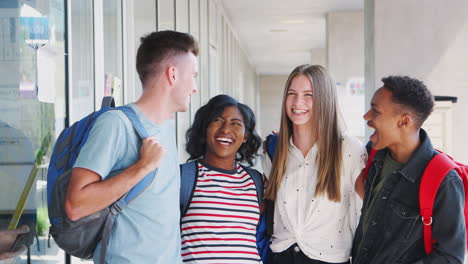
{"points": [[151, 153]]}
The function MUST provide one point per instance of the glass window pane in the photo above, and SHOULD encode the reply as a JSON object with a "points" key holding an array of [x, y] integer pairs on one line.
{"points": [[212, 23], [166, 12], [194, 26], [182, 15], [183, 119], [82, 59], [144, 14], [113, 51], [32, 109], [204, 53]]}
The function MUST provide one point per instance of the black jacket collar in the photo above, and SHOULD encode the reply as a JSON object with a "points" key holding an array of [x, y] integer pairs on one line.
{"points": [[414, 168]]}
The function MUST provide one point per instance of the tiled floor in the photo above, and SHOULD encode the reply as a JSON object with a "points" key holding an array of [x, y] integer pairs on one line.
{"points": [[54, 255], [46, 255]]}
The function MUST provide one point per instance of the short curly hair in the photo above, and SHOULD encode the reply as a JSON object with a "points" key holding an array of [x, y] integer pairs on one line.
{"points": [[412, 95], [196, 134]]}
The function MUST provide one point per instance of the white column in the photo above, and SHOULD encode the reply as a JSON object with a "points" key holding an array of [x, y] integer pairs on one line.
{"points": [[98, 53], [345, 59]]}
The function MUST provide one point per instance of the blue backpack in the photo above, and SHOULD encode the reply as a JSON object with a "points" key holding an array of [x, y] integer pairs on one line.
{"points": [[188, 174], [80, 238]]}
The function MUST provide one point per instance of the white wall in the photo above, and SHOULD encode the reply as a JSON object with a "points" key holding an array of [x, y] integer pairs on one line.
{"points": [[345, 50], [426, 40], [319, 56], [345, 43], [271, 96]]}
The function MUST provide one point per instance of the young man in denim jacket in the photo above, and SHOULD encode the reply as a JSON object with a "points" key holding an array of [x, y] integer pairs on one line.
{"points": [[390, 228]]}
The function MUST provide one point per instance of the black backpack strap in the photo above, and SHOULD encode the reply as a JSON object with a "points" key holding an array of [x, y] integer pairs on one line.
{"points": [[270, 213], [188, 177], [271, 142], [258, 180], [108, 101]]}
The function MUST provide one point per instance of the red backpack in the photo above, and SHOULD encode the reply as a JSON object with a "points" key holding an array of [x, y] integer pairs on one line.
{"points": [[432, 177]]}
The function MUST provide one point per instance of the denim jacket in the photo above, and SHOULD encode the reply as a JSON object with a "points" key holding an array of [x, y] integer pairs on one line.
{"points": [[395, 234]]}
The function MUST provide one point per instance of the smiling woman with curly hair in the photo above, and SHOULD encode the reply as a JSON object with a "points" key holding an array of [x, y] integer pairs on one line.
{"points": [[196, 135], [221, 215]]}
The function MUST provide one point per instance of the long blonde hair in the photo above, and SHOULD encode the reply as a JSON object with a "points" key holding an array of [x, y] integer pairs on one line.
{"points": [[326, 125]]}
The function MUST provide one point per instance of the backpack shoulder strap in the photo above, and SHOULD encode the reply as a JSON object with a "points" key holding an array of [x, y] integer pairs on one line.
{"points": [[141, 186], [107, 101], [432, 177], [271, 142], [188, 176], [258, 180], [142, 133], [372, 152], [130, 113]]}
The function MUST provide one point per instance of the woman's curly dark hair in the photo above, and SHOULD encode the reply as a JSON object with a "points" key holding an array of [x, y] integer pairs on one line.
{"points": [[196, 134]]}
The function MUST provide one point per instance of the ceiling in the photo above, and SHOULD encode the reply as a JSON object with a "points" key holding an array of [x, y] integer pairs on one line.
{"points": [[278, 35]]}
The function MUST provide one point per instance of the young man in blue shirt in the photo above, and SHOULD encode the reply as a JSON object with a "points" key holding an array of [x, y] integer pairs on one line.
{"points": [[114, 159]]}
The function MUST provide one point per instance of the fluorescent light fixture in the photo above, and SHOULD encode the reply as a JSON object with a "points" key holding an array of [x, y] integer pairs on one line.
{"points": [[298, 50], [292, 21], [278, 30]]}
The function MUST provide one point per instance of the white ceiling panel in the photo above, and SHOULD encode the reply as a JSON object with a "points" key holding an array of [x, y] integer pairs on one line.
{"points": [[279, 34]]}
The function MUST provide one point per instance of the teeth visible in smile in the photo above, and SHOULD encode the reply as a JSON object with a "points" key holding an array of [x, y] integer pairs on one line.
{"points": [[296, 111], [227, 140]]}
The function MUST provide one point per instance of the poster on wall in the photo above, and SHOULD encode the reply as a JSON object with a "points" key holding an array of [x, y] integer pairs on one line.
{"points": [[36, 29], [351, 97]]}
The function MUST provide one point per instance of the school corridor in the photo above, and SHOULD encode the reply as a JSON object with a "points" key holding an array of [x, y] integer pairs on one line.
{"points": [[60, 58]]}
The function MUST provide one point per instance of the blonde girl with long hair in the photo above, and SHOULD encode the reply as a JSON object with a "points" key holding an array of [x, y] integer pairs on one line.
{"points": [[313, 174]]}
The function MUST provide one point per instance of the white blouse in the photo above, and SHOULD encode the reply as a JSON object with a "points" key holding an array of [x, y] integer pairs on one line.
{"points": [[323, 229]]}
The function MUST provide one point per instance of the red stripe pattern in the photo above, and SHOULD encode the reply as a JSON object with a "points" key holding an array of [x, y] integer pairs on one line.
{"points": [[221, 222]]}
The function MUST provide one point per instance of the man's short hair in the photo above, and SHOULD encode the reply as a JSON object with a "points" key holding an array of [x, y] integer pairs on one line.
{"points": [[412, 95], [157, 47]]}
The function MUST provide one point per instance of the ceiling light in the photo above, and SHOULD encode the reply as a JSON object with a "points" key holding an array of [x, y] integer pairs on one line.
{"points": [[292, 21], [298, 50], [277, 30]]}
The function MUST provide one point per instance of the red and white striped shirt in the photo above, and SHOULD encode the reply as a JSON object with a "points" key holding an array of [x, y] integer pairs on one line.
{"points": [[221, 221]]}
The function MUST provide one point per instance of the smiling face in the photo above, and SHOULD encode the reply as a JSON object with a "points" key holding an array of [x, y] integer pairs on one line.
{"points": [[299, 101], [185, 86], [224, 136], [384, 117]]}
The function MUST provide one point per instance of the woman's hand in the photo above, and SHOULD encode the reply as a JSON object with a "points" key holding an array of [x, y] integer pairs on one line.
{"points": [[359, 185]]}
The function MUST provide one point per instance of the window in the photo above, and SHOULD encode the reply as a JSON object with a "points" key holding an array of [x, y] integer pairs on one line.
{"points": [[113, 50], [32, 106], [81, 59]]}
